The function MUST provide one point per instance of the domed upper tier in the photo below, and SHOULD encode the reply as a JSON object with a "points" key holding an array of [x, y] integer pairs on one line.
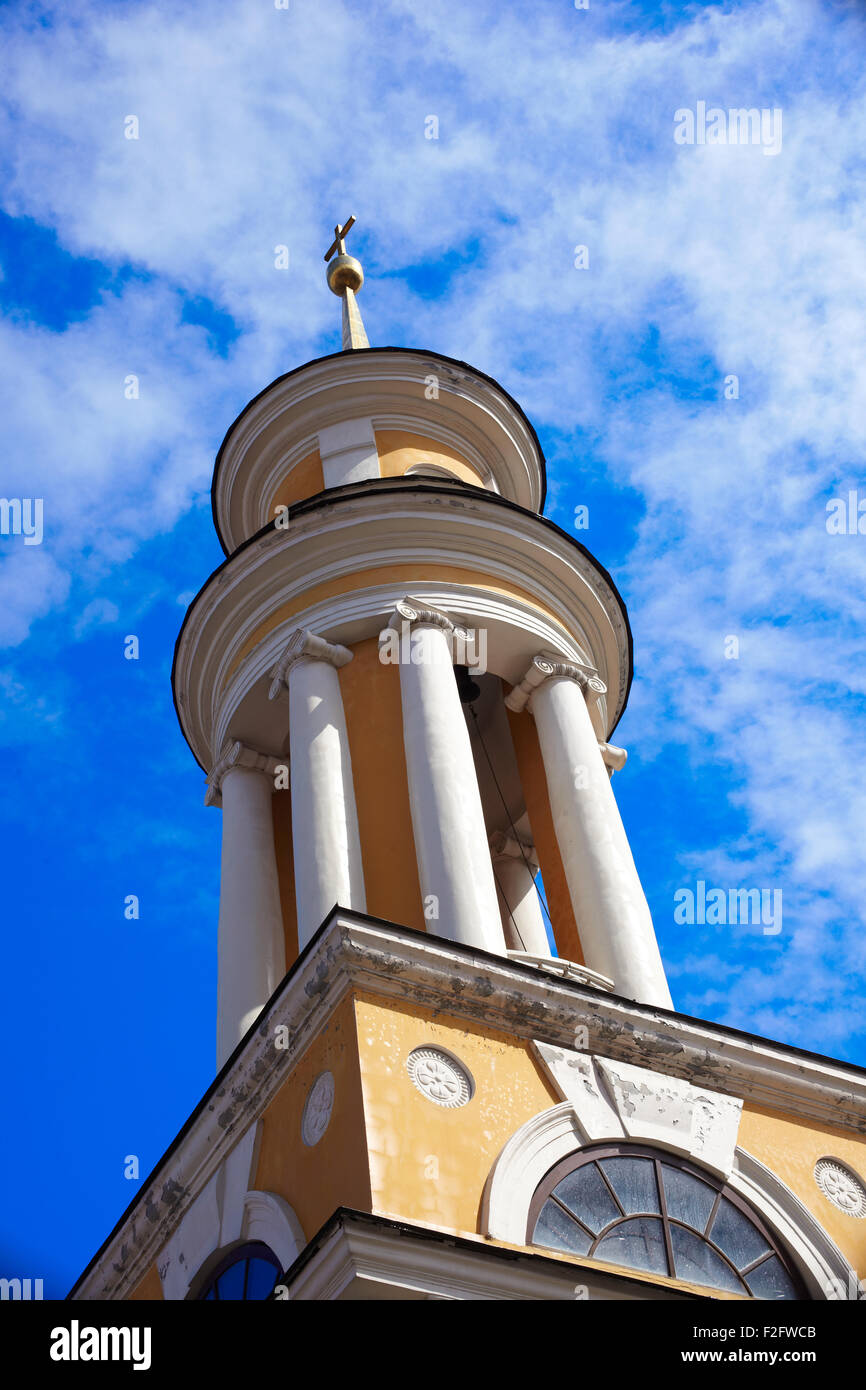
{"points": [[357, 416]]}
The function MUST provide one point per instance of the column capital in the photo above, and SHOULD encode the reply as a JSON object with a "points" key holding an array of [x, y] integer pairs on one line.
{"points": [[238, 754], [412, 610], [304, 645], [547, 665], [505, 846]]}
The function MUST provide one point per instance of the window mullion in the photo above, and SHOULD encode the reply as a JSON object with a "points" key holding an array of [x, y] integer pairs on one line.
{"points": [[666, 1225], [610, 1189], [712, 1215], [576, 1219], [747, 1269]]}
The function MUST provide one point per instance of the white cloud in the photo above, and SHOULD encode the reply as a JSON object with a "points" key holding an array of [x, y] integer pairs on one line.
{"points": [[99, 612]]}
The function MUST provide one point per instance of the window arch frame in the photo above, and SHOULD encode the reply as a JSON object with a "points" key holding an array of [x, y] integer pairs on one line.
{"points": [[592, 1152], [215, 1268]]}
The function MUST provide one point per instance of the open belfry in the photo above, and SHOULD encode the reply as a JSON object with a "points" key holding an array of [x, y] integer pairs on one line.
{"points": [[437, 1078]]}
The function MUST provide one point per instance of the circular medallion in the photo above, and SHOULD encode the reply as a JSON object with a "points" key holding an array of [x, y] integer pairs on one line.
{"points": [[317, 1110], [841, 1186], [440, 1077]]}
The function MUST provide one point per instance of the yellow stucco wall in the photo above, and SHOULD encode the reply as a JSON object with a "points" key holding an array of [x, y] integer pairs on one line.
{"points": [[374, 721], [391, 1151], [427, 1163], [399, 450], [305, 480], [534, 783], [149, 1288], [791, 1147], [333, 1173]]}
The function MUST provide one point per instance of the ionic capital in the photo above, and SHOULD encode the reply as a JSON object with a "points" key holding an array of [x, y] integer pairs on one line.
{"points": [[546, 666], [505, 846], [412, 611], [238, 755], [304, 645]]}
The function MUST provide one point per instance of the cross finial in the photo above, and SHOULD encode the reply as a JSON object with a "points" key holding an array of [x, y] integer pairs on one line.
{"points": [[338, 244], [345, 278]]}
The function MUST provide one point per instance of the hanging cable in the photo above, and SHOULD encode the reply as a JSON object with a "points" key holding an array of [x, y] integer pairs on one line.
{"points": [[508, 905]]}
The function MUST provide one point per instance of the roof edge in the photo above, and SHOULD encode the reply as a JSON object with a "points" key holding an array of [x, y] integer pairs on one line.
{"points": [[353, 352]]}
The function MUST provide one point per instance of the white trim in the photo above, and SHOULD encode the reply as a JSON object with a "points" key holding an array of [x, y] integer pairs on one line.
{"points": [[396, 1262], [383, 531], [825, 1269], [269, 1218], [551, 1136], [348, 452], [497, 995], [558, 965], [212, 1220], [280, 471], [537, 1146], [429, 470], [448, 440], [379, 386]]}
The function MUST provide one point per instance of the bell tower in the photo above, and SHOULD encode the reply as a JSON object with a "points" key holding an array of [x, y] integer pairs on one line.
{"points": [[401, 685], [380, 511]]}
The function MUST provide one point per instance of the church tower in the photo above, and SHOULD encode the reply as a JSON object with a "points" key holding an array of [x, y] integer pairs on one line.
{"points": [[435, 1078]]}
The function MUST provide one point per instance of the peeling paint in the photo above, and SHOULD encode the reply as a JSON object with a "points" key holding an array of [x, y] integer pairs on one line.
{"points": [[357, 954]]}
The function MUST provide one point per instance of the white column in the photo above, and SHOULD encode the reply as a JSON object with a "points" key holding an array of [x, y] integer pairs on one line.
{"points": [[454, 865], [611, 911], [251, 945], [514, 868], [327, 844]]}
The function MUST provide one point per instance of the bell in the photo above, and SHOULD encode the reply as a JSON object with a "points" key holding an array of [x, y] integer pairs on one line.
{"points": [[467, 688]]}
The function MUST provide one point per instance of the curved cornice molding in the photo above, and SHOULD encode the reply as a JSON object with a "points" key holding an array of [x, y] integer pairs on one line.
{"points": [[569, 603], [386, 385]]}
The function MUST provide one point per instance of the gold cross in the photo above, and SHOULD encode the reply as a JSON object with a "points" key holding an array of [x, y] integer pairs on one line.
{"points": [[339, 233]]}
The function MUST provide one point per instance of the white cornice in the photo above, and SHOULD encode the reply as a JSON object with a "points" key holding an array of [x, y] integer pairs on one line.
{"points": [[374, 529], [436, 431], [359, 1256], [361, 613], [470, 412], [354, 952]]}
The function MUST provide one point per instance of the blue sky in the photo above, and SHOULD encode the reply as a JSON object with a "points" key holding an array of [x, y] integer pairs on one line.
{"points": [[155, 257]]}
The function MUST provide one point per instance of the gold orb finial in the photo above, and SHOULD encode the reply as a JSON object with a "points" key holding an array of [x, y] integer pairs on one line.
{"points": [[345, 273]]}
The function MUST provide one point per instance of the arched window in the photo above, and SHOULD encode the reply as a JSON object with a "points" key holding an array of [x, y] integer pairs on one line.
{"points": [[645, 1209], [249, 1271]]}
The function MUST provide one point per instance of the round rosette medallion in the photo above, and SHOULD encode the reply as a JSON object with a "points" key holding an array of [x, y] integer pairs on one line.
{"points": [[440, 1077]]}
